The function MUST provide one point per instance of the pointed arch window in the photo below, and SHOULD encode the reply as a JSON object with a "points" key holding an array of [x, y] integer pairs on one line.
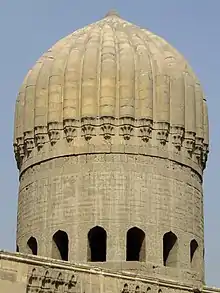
{"points": [[170, 249], [135, 248], [97, 243], [194, 258], [32, 245], [60, 246]]}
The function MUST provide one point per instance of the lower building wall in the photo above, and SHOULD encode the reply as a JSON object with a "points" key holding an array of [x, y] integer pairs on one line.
{"points": [[29, 274]]}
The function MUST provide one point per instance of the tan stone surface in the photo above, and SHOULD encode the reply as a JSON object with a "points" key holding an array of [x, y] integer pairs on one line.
{"points": [[116, 192], [24, 274], [111, 130], [116, 81]]}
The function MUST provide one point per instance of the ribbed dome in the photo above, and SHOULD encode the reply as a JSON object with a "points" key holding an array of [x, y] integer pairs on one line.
{"points": [[111, 74]]}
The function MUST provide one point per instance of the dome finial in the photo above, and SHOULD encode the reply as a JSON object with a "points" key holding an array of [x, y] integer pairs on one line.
{"points": [[112, 12]]}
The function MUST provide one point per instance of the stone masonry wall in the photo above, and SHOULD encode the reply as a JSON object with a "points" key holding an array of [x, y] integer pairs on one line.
{"points": [[116, 192]]}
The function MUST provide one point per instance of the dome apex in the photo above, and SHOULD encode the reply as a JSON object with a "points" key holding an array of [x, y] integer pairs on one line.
{"points": [[112, 12]]}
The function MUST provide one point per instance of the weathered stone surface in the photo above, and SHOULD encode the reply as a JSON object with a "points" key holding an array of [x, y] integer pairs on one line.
{"points": [[111, 78], [111, 133], [116, 192], [38, 274]]}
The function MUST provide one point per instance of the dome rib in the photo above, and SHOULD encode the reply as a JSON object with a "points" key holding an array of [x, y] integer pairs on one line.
{"points": [[19, 130], [190, 113], [177, 101], [72, 81], [144, 98], [56, 86], [99, 70], [152, 74], [108, 75], [81, 75], [41, 102], [199, 111], [126, 77], [89, 76], [29, 101]]}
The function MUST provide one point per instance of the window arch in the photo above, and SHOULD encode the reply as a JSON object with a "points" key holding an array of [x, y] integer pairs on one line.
{"points": [[32, 245], [135, 248], [170, 249], [194, 253], [60, 246], [97, 239]]}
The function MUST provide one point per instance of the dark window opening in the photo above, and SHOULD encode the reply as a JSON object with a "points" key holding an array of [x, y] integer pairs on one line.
{"points": [[60, 248], [135, 245], [17, 248], [97, 238], [170, 248], [32, 245], [193, 253]]}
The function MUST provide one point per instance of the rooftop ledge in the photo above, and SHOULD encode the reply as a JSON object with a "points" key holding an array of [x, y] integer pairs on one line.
{"points": [[90, 269]]}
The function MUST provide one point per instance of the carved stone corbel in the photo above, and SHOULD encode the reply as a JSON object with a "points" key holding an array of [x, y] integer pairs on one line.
{"points": [[146, 129], [40, 133], [88, 128], [198, 149], [189, 142], [162, 132], [69, 127], [177, 136], [53, 132], [29, 142], [20, 144], [107, 127], [16, 153], [205, 152], [126, 128]]}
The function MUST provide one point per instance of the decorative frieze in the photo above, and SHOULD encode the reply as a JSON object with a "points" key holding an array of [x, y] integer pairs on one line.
{"points": [[40, 280], [106, 127], [134, 288]]}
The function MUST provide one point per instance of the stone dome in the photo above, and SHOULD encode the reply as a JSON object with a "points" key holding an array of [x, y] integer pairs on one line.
{"points": [[111, 86]]}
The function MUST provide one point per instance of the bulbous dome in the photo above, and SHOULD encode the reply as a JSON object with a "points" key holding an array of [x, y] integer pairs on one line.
{"points": [[111, 86]]}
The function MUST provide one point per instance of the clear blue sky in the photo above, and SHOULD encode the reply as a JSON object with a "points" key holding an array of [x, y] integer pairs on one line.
{"points": [[28, 28]]}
